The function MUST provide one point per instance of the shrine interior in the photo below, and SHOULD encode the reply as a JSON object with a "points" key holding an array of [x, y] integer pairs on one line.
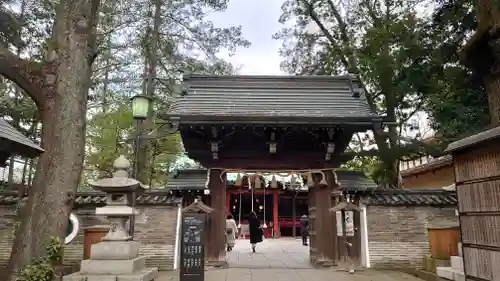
{"points": [[241, 206]]}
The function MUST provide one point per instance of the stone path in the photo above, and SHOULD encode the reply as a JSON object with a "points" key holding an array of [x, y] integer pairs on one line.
{"points": [[271, 253], [267, 274], [283, 260]]}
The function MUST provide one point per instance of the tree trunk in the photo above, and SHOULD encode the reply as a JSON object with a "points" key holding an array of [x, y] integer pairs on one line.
{"points": [[150, 87], [492, 85], [481, 52], [59, 87]]}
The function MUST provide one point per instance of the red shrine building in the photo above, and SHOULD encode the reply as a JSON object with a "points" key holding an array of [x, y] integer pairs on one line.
{"points": [[272, 125], [279, 209]]}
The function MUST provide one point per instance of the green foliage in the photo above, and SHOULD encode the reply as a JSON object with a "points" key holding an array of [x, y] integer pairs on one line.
{"points": [[107, 134], [40, 270], [112, 133], [459, 105], [385, 44], [406, 60], [55, 250], [43, 268]]}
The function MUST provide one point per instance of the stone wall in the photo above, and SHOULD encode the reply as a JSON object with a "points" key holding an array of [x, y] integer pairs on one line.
{"points": [[397, 235], [155, 229], [7, 213]]}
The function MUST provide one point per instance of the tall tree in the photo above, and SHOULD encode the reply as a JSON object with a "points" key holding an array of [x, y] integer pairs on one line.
{"points": [[482, 53], [459, 104], [59, 85], [179, 38], [382, 42]]}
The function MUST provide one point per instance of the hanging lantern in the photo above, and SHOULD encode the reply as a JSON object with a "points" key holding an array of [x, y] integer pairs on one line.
{"points": [[310, 181], [323, 179], [257, 182], [238, 180], [274, 182]]}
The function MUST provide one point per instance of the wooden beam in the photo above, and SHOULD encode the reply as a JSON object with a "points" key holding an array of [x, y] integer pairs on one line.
{"points": [[297, 164]]}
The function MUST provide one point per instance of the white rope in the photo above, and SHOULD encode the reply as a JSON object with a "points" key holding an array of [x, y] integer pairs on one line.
{"points": [[239, 214], [265, 224]]}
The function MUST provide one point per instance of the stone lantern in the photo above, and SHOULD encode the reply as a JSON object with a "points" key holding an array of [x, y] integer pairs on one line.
{"points": [[119, 190], [117, 257]]}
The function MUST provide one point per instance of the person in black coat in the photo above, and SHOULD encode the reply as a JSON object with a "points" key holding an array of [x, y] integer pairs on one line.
{"points": [[304, 229], [255, 230]]}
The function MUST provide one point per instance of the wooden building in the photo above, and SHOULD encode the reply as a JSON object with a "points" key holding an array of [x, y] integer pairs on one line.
{"points": [[427, 172], [13, 142], [264, 124], [477, 179]]}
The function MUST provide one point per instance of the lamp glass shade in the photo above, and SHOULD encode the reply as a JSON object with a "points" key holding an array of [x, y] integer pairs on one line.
{"points": [[140, 107]]}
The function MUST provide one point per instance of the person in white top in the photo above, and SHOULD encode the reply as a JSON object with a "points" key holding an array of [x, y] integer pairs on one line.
{"points": [[231, 232]]}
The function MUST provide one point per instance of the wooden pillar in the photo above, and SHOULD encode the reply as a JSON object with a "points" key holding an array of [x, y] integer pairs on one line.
{"points": [[325, 222], [336, 229], [275, 214], [217, 186], [313, 254], [356, 245]]}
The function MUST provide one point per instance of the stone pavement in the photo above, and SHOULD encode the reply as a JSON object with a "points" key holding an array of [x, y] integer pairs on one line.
{"points": [[283, 260], [271, 253], [268, 274]]}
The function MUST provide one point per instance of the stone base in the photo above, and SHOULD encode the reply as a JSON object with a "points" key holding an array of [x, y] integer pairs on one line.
{"points": [[217, 263], [324, 263], [114, 250], [430, 264], [112, 266], [147, 274]]}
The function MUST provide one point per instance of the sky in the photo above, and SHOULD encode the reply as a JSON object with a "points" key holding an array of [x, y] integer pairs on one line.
{"points": [[259, 21]]}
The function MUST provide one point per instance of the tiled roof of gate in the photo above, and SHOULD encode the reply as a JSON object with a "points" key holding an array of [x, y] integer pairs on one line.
{"points": [[257, 96], [411, 197], [96, 198], [15, 139], [188, 179], [355, 181]]}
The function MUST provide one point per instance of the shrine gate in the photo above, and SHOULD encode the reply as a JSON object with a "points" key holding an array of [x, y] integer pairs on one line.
{"points": [[272, 124]]}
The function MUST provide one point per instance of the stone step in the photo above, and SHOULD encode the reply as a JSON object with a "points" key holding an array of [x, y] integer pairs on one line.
{"points": [[457, 263], [116, 267], [450, 273], [146, 274]]}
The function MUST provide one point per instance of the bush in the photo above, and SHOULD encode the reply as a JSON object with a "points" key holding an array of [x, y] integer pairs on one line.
{"points": [[54, 250], [40, 270], [43, 268]]}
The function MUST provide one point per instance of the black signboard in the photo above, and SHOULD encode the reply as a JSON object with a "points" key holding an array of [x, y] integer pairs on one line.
{"points": [[192, 247]]}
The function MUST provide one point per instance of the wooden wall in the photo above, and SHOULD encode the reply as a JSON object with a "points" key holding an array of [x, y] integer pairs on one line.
{"points": [[477, 175], [433, 178]]}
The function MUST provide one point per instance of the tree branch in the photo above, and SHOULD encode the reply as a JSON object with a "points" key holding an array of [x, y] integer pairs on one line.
{"points": [[328, 35], [27, 75]]}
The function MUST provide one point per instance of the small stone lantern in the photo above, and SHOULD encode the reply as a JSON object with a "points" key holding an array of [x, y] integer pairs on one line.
{"points": [[118, 191], [116, 257]]}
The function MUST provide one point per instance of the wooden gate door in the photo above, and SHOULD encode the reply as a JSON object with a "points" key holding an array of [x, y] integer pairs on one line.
{"points": [[477, 177], [348, 234]]}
